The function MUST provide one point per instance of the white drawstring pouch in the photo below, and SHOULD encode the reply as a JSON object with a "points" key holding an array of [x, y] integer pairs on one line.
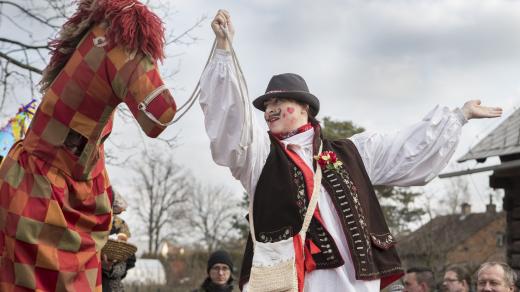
{"points": [[274, 267]]}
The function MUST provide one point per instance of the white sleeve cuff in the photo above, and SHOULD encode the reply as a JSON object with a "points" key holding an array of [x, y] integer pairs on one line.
{"points": [[460, 116], [222, 54]]}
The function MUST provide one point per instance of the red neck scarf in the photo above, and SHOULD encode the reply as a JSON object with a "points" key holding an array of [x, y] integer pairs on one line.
{"points": [[283, 136]]}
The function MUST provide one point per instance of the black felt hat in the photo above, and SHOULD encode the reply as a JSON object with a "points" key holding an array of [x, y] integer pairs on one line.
{"points": [[290, 86]]}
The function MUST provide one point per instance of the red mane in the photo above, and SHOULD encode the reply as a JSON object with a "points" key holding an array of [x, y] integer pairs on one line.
{"points": [[129, 23]]}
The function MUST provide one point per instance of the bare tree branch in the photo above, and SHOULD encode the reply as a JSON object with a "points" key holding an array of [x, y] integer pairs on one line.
{"points": [[61, 10], [5, 75], [211, 216], [30, 73], [187, 32], [164, 188], [20, 64], [29, 13], [25, 46]]}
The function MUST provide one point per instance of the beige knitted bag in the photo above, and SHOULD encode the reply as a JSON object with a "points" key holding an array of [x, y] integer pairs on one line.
{"points": [[279, 273]]}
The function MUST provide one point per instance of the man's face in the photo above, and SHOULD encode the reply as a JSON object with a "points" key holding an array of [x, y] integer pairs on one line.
{"points": [[491, 279], [284, 115], [219, 274], [411, 285], [451, 283]]}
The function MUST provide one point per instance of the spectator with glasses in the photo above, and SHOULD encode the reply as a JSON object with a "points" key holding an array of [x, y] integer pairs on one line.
{"points": [[220, 270], [456, 279]]}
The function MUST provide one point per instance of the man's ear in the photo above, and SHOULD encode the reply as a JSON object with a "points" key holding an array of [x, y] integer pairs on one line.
{"points": [[307, 108]]}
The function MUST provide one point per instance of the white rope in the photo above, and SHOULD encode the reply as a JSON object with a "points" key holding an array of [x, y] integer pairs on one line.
{"points": [[246, 136], [194, 95]]}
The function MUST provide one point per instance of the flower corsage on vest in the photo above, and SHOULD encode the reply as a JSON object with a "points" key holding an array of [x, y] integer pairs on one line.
{"points": [[328, 160]]}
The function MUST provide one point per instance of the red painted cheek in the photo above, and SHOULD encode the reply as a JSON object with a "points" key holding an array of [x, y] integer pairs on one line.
{"points": [[290, 110]]}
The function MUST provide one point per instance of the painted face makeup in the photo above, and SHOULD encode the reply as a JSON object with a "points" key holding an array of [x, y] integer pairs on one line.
{"points": [[283, 115]]}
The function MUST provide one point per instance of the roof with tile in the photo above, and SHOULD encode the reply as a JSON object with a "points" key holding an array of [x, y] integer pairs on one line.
{"points": [[503, 140]]}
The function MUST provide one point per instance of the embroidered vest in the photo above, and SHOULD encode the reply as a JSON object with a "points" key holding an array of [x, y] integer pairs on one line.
{"points": [[281, 200]]}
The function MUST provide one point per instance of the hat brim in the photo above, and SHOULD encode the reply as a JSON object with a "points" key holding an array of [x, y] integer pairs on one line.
{"points": [[300, 96]]}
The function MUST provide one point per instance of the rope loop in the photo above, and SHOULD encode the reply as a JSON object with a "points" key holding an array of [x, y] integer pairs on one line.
{"points": [[247, 136]]}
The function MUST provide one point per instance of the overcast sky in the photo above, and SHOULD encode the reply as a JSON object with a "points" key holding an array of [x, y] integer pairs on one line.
{"points": [[381, 64]]}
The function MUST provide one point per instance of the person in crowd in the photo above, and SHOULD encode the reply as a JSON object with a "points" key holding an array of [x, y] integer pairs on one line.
{"points": [[55, 207], [115, 272], [496, 277], [348, 246], [419, 279], [396, 286], [456, 279], [220, 273]]}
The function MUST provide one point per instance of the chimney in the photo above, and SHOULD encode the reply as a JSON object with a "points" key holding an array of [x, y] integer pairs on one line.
{"points": [[491, 208], [465, 209]]}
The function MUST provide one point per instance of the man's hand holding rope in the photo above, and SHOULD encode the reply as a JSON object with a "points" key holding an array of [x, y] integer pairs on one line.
{"points": [[223, 20]]}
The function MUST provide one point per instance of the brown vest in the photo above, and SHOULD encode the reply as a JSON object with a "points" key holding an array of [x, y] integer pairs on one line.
{"points": [[281, 200]]}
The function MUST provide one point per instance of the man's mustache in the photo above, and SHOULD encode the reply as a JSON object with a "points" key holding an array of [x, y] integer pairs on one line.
{"points": [[274, 114]]}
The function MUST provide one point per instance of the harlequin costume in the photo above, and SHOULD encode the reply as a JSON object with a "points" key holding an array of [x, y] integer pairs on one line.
{"points": [[348, 246], [55, 195]]}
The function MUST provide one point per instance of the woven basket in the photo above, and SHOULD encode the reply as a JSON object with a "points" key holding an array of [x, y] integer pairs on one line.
{"points": [[117, 250]]}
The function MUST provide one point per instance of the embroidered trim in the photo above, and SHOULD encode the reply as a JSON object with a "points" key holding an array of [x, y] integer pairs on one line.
{"points": [[329, 257], [380, 273], [352, 189], [351, 214], [301, 196], [277, 235], [384, 241]]}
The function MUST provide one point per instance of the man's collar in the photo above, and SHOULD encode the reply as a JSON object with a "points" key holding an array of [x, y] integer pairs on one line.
{"points": [[300, 129], [302, 139]]}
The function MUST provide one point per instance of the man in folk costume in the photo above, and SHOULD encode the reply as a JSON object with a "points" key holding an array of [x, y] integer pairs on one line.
{"points": [[348, 246], [55, 195]]}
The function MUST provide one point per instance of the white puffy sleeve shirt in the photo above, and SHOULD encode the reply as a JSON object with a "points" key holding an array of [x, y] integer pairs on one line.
{"points": [[412, 156]]}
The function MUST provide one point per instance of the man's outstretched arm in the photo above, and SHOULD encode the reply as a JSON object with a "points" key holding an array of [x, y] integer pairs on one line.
{"points": [[417, 153]]}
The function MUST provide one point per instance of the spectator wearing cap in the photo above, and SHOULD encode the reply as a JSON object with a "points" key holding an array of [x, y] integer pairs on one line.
{"points": [[220, 270], [419, 279]]}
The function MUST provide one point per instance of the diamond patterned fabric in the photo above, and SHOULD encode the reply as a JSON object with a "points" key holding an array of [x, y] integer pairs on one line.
{"points": [[55, 201]]}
